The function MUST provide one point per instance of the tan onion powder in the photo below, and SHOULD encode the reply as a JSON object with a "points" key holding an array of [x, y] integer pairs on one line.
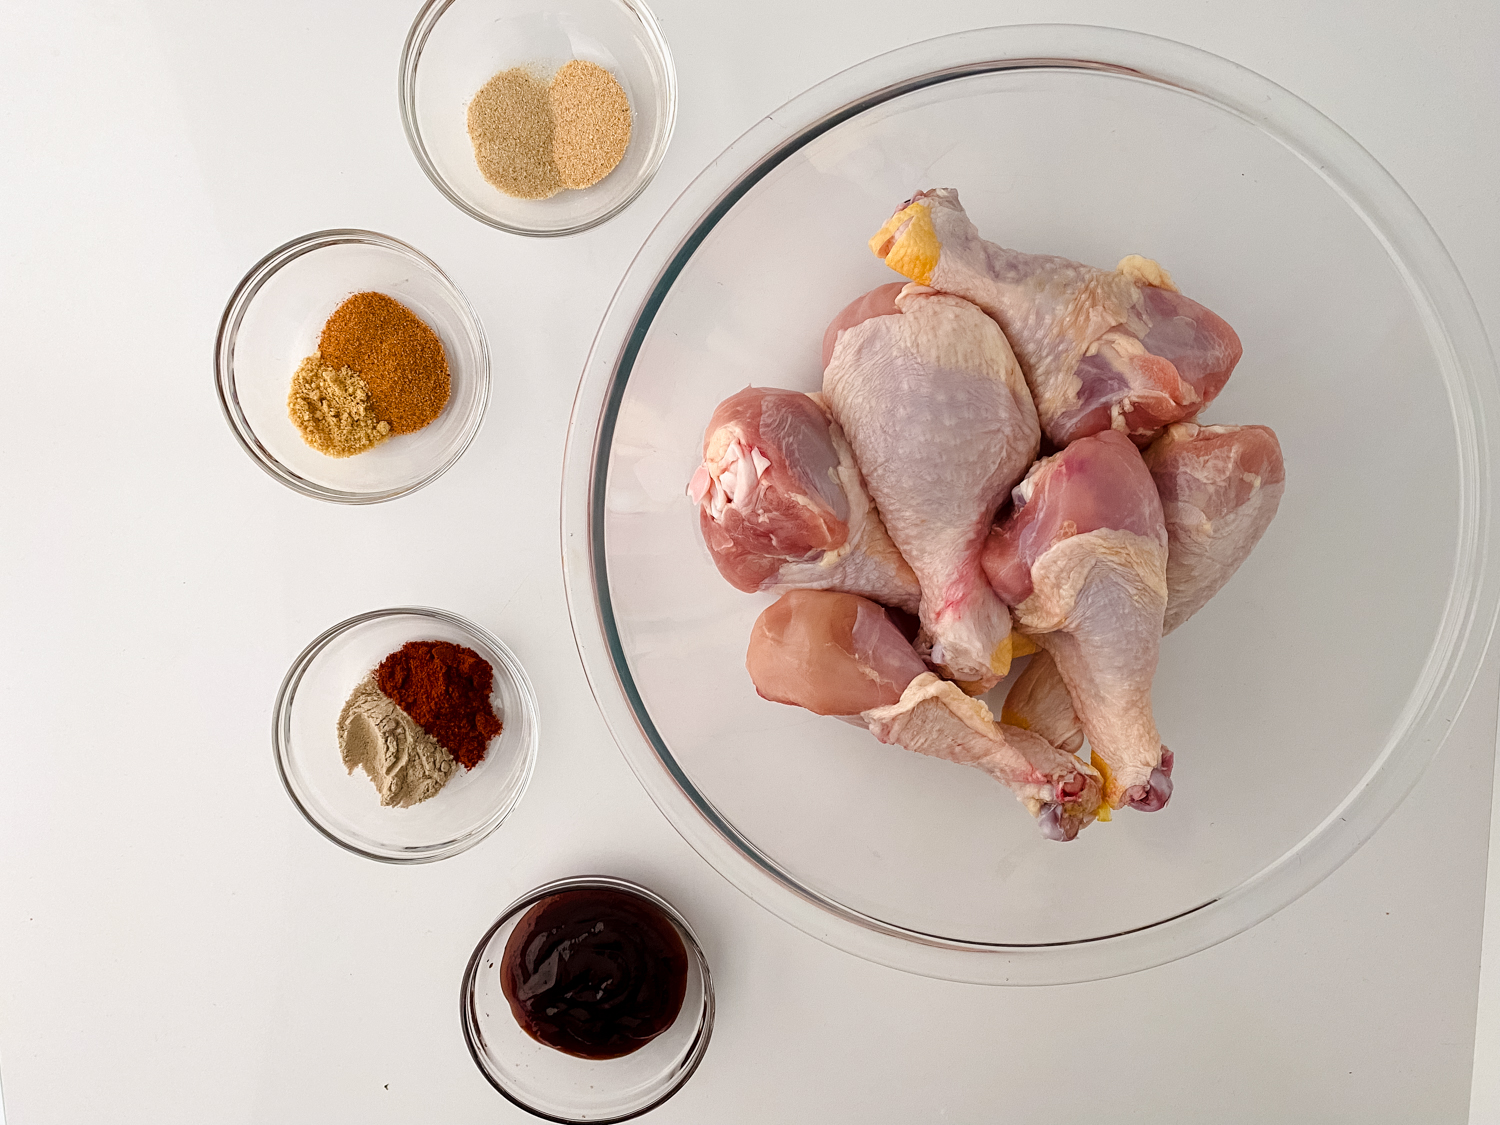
{"points": [[532, 138], [592, 127], [510, 123]]}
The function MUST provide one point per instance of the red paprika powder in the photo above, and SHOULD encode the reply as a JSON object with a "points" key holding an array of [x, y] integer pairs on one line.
{"points": [[446, 689]]}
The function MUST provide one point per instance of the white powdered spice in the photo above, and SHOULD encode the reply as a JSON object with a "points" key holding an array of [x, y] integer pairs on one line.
{"points": [[406, 763]]}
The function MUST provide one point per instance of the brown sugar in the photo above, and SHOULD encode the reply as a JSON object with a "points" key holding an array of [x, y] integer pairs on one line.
{"points": [[510, 124], [398, 356], [332, 410], [592, 123]]}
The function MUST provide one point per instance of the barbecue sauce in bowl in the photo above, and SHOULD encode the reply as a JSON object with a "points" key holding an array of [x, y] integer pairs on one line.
{"points": [[594, 972]]}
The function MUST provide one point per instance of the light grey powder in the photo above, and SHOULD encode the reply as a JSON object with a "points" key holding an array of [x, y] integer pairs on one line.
{"points": [[406, 763]]}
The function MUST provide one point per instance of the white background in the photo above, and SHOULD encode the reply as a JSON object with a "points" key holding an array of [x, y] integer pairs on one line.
{"points": [[177, 945]]}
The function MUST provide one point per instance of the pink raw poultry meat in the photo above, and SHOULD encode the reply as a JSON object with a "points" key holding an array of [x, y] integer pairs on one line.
{"points": [[1083, 561], [782, 503], [880, 301], [837, 654], [834, 654], [942, 426], [1101, 349], [1039, 702], [1219, 488]]}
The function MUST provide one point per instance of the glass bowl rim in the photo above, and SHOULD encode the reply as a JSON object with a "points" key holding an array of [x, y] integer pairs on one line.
{"points": [[411, 59], [1454, 332], [702, 1033], [281, 739], [244, 295]]}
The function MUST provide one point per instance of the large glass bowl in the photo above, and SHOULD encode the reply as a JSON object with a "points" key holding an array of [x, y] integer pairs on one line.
{"points": [[1302, 703]]}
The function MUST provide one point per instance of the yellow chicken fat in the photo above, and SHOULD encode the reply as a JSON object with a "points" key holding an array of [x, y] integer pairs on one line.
{"points": [[915, 252]]}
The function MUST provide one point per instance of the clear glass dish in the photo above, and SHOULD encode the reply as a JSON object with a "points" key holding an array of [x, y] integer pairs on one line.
{"points": [[1302, 703], [456, 46], [273, 321], [559, 1087], [344, 806]]}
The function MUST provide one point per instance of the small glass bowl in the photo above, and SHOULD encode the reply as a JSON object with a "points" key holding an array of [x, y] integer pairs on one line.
{"points": [[272, 323], [456, 46], [344, 806], [559, 1087]]}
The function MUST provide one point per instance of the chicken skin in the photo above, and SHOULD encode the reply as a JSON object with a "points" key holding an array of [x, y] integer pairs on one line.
{"points": [[942, 426], [1101, 349], [1083, 561]]}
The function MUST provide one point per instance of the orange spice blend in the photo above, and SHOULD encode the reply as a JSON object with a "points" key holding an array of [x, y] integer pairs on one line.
{"points": [[398, 356]]}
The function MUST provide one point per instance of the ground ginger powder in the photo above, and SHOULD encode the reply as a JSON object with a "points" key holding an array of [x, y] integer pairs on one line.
{"points": [[332, 409], [405, 763]]}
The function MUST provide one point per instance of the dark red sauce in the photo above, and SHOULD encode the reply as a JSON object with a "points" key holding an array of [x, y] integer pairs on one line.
{"points": [[593, 972]]}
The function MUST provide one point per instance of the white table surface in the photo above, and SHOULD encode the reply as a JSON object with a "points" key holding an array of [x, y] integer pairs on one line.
{"points": [[177, 945]]}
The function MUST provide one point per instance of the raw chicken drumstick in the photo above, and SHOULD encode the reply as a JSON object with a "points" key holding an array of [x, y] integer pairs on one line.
{"points": [[1219, 489], [781, 502], [1101, 349], [1039, 702], [934, 405], [1083, 560], [837, 654], [834, 654]]}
